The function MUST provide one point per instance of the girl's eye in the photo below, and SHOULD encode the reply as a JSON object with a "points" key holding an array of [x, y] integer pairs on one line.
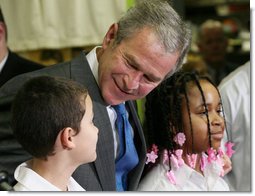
{"points": [[220, 112], [203, 113]]}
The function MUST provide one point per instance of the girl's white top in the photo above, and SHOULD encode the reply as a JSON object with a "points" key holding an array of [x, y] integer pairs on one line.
{"points": [[187, 179]]}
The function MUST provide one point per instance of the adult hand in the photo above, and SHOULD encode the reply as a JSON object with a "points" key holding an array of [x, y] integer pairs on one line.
{"points": [[227, 164]]}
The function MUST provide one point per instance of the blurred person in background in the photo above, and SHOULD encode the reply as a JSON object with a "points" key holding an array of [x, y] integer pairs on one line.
{"points": [[212, 44], [11, 64], [235, 94], [195, 64]]}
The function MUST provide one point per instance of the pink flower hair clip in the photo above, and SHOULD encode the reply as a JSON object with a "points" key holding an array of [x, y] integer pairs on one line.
{"points": [[220, 152], [192, 160], [171, 177], [180, 138], [176, 159], [229, 150], [178, 154], [152, 155], [211, 155], [154, 148], [165, 156]]}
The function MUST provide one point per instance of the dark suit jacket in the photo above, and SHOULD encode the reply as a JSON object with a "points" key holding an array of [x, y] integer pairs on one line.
{"points": [[96, 176], [16, 65]]}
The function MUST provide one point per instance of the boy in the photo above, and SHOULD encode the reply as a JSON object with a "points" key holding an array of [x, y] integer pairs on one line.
{"points": [[52, 120]]}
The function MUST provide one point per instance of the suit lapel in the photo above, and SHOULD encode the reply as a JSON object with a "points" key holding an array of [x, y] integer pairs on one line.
{"points": [[104, 164]]}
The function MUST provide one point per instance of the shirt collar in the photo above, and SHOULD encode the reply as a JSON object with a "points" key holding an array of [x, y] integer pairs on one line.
{"points": [[185, 173], [34, 182], [2, 63], [93, 62]]}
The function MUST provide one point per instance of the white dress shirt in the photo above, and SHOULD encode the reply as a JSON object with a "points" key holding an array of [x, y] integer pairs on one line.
{"points": [[2, 63], [187, 179], [28, 180], [235, 94]]}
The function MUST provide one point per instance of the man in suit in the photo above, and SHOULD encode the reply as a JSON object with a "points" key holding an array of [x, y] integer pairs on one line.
{"points": [[146, 46], [11, 64]]}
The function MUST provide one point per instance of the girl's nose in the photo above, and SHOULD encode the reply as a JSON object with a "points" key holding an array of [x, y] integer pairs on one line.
{"points": [[216, 119]]}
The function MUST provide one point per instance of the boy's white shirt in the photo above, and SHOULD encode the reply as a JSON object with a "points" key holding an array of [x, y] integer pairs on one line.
{"points": [[29, 180]]}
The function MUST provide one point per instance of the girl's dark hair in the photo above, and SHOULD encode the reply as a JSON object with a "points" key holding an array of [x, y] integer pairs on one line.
{"points": [[42, 108], [163, 109]]}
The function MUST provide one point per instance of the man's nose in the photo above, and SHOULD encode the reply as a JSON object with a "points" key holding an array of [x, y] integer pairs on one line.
{"points": [[132, 81]]}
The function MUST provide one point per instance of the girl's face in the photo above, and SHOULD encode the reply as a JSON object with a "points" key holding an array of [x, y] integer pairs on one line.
{"points": [[199, 119]]}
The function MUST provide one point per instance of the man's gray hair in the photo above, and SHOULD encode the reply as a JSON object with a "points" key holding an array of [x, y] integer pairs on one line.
{"points": [[171, 30]]}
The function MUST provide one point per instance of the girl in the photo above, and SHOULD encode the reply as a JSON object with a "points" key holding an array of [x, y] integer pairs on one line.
{"points": [[185, 125]]}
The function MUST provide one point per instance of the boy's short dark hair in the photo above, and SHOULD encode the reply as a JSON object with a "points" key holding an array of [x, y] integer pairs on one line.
{"points": [[42, 108]]}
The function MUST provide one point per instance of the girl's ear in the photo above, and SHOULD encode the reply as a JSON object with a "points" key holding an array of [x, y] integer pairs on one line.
{"points": [[67, 139], [110, 35]]}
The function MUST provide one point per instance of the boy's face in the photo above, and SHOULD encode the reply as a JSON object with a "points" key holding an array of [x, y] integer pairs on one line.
{"points": [[86, 139], [199, 119]]}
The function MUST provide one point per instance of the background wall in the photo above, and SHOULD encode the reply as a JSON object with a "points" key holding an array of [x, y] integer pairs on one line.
{"points": [[50, 31], [36, 24]]}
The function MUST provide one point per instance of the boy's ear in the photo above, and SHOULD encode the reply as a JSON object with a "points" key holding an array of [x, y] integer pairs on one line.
{"points": [[67, 139]]}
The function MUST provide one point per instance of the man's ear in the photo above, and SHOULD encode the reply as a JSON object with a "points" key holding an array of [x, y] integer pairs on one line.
{"points": [[2, 31], [110, 35], [67, 139]]}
